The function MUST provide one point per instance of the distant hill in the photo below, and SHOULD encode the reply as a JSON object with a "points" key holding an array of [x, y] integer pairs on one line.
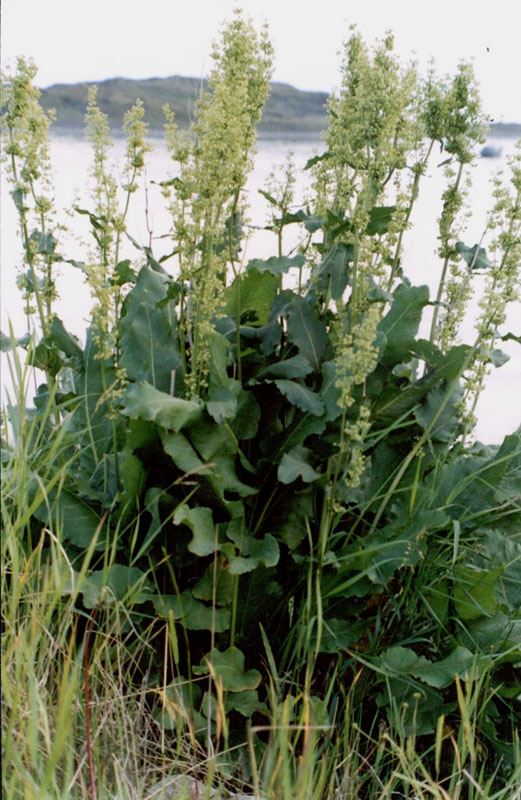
{"points": [[288, 110]]}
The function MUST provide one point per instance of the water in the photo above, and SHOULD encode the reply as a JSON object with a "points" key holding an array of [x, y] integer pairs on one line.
{"points": [[500, 404]]}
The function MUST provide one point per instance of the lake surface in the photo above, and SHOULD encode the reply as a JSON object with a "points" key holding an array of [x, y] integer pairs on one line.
{"points": [[499, 406]]}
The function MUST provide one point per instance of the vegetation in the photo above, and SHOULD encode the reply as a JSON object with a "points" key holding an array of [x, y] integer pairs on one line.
{"points": [[249, 541]]}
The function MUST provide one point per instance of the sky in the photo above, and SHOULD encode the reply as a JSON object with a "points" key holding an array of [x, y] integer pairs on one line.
{"points": [[90, 40]]}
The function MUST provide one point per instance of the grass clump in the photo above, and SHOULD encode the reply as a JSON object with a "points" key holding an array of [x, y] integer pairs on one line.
{"points": [[249, 542]]}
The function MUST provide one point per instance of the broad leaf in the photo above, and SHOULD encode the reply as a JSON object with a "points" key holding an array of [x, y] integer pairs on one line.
{"points": [[295, 464], [295, 367], [400, 324], [307, 332], [200, 521], [191, 613], [64, 340], [300, 396], [115, 583], [475, 257], [228, 668], [475, 591], [379, 219], [69, 517], [144, 401], [276, 265], [251, 295]]}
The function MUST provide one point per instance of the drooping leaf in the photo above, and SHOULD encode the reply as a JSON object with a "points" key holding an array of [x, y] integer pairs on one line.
{"points": [[498, 357], [438, 674], [123, 273], [64, 340], [216, 583], [43, 243], [219, 355], [246, 421], [295, 464], [223, 477], [228, 668], [144, 401], [300, 396], [316, 159], [6, 343]]}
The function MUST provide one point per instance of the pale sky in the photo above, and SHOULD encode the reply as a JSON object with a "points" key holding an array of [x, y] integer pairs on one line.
{"points": [[90, 40]]}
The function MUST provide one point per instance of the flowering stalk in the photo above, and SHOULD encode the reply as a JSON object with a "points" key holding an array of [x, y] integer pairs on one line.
{"points": [[463, 127], [206, 198], [504, 278], [26, 151]]}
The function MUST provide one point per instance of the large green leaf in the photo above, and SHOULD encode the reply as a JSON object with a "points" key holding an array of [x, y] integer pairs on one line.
{"points": [[475, 591], [400, 324], [475, 257], [251, 294], [295, 464], [177, 446], [149, 336], [251, 553], [333, 273], [223, 478], [69, 517], [115, 583], [379, 219], [64, 340], [295, 367], [402, 660], [339, 634], [307, 331], [200, 521], [191, 613], [300, 396], [144, 401], [228, 668], [276, 265], [221, 404], [246, 703], [438, 413], [329, 392], [246, 421]]}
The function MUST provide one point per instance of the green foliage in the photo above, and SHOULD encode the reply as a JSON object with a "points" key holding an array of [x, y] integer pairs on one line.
{"points": [[284, 468]]}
